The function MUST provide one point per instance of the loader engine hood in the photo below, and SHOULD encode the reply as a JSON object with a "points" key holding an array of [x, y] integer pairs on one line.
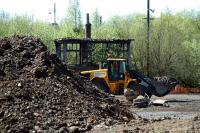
{"points": [[100, 73]]}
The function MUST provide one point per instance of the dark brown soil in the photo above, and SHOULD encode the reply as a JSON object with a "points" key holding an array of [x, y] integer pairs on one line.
{"points": [[38, 92]]}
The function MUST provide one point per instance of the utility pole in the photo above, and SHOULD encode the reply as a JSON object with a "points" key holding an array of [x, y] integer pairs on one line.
{"points": [[100, 20], [148, 35], [54, 13]]}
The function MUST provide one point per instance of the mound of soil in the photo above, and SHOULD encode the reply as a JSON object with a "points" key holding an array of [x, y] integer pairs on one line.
{"points": [[38, 92]]}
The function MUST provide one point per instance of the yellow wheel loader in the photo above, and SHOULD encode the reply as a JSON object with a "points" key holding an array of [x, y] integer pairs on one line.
{"points": [[112, 79], [115, 78]]}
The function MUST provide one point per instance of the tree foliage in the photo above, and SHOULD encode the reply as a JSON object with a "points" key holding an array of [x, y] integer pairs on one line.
{"points": [[96, 19], [4, 14], [174, 43], [74, 15]]}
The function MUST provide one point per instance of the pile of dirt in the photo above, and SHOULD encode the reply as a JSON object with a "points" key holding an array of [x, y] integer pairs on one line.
{"points": [[38, 92]]}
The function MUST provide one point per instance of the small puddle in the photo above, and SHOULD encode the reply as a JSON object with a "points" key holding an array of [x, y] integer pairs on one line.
{"points": [[166, 114]]}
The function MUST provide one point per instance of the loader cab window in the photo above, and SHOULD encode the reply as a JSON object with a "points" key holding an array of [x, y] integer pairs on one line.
{"points": [[123, 67], [116, 70]]}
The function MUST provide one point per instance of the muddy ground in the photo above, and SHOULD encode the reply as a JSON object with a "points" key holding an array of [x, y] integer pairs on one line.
{"points": [[180, 115]]}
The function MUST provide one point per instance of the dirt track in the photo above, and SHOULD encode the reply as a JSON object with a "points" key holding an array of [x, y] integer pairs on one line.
{"points": [[180, 107], [182, 115]]}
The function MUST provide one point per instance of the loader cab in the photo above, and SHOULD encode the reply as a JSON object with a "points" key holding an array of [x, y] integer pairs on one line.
{"points": [[116, 68]]}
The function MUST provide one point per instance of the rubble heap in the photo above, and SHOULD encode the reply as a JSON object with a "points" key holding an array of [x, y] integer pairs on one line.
{"points": [[39, 93]]}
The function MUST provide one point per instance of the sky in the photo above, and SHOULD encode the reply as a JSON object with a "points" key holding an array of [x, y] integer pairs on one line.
{"points": [[39, 9]]}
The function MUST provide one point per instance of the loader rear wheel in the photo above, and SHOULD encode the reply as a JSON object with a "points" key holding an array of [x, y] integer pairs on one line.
{"points": [[100, 85], [133, 91]]}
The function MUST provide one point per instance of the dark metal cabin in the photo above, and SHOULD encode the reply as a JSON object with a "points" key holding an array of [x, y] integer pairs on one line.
{"points": [[80, 48]]}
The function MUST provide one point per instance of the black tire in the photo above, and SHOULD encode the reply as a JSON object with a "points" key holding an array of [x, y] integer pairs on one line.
{"points": [[144, 91], [130, 93], [100, 85]]}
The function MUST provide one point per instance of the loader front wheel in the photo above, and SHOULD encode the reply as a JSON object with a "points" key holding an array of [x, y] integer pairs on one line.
{"points": [[100, 85], [140, 90], [133, 91]]}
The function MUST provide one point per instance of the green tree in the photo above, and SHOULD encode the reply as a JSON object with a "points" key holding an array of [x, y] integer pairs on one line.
{"points": [[74, 14], [4, 14], [96, 19]]}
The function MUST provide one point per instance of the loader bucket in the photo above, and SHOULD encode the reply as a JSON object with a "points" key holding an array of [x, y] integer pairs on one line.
{"points": [[154, 87], [163, 88]]}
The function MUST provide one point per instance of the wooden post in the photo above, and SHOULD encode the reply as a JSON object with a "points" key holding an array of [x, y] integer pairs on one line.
{"points": [[65, 53], [58, 50], [76, 54], [129, 53], [81, 54]]}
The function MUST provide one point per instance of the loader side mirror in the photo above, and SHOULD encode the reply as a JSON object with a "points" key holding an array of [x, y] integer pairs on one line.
{"points": [[122, 75], [105, 65]]}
